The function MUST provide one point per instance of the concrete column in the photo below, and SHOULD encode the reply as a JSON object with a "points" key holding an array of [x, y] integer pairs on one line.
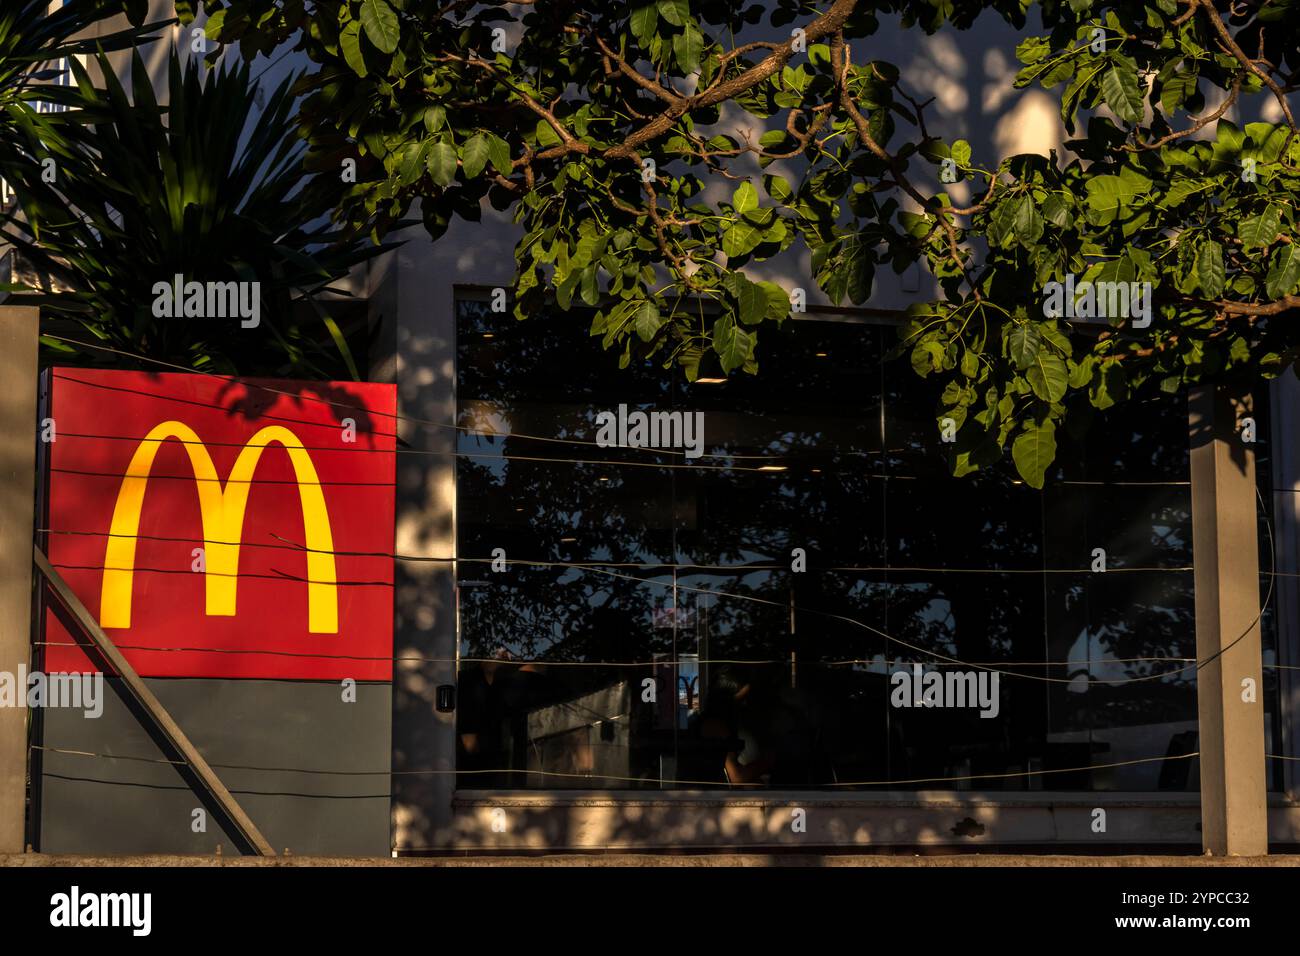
{"points": [[19, 330], [425, 276], [1234, 820], [1285, 417]]}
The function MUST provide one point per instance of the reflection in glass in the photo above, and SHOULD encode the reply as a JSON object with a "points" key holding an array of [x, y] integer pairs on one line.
{"points": [[692, 649]]}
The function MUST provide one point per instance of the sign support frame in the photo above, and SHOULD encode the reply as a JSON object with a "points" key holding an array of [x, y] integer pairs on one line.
{"points": [[212, 787]]}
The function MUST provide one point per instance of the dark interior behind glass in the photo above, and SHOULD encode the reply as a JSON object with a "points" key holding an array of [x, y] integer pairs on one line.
{"points": [[905, 566]]}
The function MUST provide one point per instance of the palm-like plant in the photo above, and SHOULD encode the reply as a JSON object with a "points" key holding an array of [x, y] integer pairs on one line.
{"points": [[33, 44], [209, 187]]}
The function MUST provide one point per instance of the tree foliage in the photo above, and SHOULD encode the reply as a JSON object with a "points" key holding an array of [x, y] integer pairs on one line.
{"points": [[634, 142]]}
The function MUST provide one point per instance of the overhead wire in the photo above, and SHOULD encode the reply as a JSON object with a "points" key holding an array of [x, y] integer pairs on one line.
{"points": [[262, 386], [443, 771], [947, 659], [469, 431], [288, 545]]}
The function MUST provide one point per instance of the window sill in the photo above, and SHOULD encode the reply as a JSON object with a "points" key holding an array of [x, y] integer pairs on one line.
{"points": [[918, 798]]}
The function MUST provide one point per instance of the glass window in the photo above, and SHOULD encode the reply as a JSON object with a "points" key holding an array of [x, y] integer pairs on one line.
{"points": [[813, 603]]}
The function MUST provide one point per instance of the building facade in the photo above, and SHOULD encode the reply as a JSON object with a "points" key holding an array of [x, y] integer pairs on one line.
{"points": [[583, 633]]}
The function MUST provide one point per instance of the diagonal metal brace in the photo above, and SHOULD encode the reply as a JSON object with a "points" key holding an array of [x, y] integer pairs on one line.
{"points": [[212, 786]]}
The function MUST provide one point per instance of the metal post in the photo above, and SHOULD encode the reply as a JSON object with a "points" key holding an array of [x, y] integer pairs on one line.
{"points": [[1229, 685], [19, 333]]}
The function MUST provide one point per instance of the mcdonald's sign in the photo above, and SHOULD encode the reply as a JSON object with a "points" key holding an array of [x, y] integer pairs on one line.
{"points": [[221, 528]]}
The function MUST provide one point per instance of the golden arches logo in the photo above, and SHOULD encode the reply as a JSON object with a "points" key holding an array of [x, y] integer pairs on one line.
{"points": [[222, 511]]}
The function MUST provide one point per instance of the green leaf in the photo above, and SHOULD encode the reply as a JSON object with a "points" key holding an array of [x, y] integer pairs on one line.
{"points": [[1024, 343], [927, 357], [1027, 222], [688, 46], [1261, 230], [1210, 269], [212, 29], [1122, 93], [739, 239], [643, 23], [435, 118], [733, 344], [340, 342], [1034, 450], [46, 342], [1033, 49], [745, 198], [1176, 90], [590, 288], [442, 163], [778, 301], [1081, 372], [1057, 211], [498, 153], [1109, 195], [1285, 272], [750, 298], [676, 12], [689, 359], [647, 320], [1182, 189], [565, 285], [861, 273], [1269, 140], [412, 163], [1054, 337], [778, 187], [1048, 376], [380, 23], [474, 155], [918, 225], [1228, 138], [350, 43], [546, 135], [1109, 385], [590, 248]]}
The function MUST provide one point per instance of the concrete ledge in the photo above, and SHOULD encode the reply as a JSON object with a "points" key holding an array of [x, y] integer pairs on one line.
{"points": [[688, 821], [703, 821]]}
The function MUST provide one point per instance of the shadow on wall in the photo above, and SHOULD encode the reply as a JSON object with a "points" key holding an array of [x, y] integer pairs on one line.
{"points": [[967, 76]]}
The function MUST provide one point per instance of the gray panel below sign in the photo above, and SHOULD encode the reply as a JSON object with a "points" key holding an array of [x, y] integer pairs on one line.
{"points": [[112, 805]]}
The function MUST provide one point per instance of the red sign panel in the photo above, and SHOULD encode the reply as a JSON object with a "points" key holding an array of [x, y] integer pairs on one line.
{"points": [[224, 529]]}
